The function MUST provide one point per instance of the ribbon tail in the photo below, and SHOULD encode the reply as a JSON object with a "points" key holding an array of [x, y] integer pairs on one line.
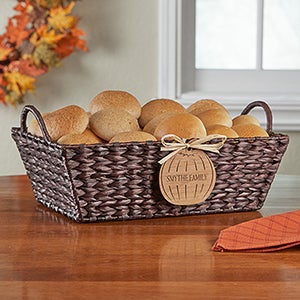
{"points": [[164, 159]]}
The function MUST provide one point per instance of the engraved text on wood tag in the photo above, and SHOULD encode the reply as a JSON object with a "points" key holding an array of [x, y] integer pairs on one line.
{"points": [[187, 178]]}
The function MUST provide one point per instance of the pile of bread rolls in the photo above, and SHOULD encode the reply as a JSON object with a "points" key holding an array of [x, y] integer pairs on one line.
{"points": [[117, 116]]}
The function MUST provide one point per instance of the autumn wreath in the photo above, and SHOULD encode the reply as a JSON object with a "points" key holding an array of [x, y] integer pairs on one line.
{"points": [[37, 38]]}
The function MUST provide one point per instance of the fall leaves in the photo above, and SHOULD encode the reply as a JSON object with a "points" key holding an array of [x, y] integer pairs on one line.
{"points": [[37, 38]]}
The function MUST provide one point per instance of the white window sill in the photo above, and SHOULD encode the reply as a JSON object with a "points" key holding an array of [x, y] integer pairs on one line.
{"points": [[285, 108]]}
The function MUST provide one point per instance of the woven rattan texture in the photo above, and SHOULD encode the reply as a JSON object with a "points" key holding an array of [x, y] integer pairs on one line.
{"points": [[120, 181], [45, 166]]}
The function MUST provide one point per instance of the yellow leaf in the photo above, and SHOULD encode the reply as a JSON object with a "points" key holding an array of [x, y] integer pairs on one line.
{"points": [[42, 35], [19, 83], [47, 3], [60, 19], [4, 52]]}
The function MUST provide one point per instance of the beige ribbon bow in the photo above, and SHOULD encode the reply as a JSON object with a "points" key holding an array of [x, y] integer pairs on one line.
{"points": [[177, 144]]}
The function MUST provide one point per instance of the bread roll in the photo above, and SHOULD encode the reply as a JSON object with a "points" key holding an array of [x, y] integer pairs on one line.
{"points": [[69, 119], [87, 137], [245, 119], [249, 130], [152, 124], [107, 123], [133, 136], [34, 127], [115, 99], [157, 107], [203, 105], [214, 117], [223, 130], [184, 125]]}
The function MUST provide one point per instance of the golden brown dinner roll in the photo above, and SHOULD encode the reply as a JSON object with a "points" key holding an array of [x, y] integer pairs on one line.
{"points": [[221, 129], [156, 107], [133, 136], [115, 99], [249, 130], [107, 123], [203, 105], [69, 119], [152, 124], [87, 137], [245, 119], [184, 125], [34, 127], [215, 116]]}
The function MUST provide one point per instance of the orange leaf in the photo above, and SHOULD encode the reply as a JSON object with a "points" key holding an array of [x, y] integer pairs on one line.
{"points": [[16, 29], [22, 6], [65, 46], [2, 96], [3, 38], [2, 92], [71, 41], [81, 44], [27, 67]]}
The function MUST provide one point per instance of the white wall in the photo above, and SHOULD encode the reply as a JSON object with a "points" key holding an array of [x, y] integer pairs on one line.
{"points": [[290, 163], [122, 37], [123, 41]]}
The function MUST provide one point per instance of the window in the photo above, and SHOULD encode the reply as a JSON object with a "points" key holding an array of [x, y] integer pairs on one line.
{"points": [[236, 51], [225, 34], [247, 34]]}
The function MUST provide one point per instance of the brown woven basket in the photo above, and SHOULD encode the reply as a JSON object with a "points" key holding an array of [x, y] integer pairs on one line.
{"points": [[101, 182]]}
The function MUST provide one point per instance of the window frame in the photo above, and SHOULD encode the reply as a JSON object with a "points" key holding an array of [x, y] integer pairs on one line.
{"points": [[174, 77]]}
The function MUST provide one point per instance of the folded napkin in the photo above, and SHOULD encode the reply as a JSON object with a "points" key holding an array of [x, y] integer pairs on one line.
{"points": [[261, 235]]}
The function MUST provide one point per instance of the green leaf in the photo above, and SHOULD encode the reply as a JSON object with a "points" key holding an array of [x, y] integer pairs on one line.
{"points": [[44, 55]]}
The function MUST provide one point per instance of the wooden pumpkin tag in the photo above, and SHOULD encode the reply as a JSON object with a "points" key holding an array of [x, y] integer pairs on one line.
{"points": [[187, 178]]}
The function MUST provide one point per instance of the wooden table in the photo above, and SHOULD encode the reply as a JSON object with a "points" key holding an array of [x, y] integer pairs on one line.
{"points": [[44, 255]]}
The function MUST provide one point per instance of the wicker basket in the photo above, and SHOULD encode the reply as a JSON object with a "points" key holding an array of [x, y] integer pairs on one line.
{"points": [[102, 182]]}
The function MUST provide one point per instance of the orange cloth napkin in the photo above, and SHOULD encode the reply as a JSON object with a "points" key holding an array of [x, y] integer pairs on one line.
{"points": [[266, 234]]}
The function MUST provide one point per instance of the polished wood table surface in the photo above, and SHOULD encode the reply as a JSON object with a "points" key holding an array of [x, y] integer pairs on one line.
{"points": [[44, 255]]}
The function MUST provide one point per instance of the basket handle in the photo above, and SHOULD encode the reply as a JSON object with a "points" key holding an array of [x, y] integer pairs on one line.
{"points": [[267, 110], [30, 108]]}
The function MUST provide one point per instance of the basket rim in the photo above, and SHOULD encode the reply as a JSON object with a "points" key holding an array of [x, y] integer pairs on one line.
{"points": [[273, 135]]}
